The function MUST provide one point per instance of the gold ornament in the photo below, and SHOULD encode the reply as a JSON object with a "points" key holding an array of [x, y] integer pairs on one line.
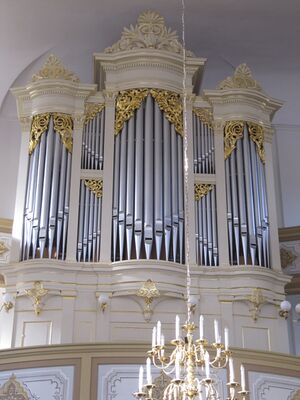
{"points": [[287, 257], [127, 102], [257, 300], [36, 294], [91, 110], [95, 186], [3, 248], [241, 79], [39, 125], [54, 69], [201, 190], [171, 104], [205, 115], [233, 132], [148, 291], [13, 390], [256, 133], [63, 125]]}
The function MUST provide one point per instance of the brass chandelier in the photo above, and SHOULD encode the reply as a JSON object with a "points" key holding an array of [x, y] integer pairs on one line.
{"points": [[190, 364]]}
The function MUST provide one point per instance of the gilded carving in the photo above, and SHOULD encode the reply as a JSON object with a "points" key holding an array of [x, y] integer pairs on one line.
{"points": [[256, 133], [3, 248], [205, 115], [201, 190], [148, 291], [63, 125], [295, 395], [39, 125], [95, 186], [13, 390], [54, 69], [149, 33], [160, 384], [127, 102], [257, 300], [287, 257], [36, 294], [241, 79], [91, 110], [171, 104], [233, 132]]}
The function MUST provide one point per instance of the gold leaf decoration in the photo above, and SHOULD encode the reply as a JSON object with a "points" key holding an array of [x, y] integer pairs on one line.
{"points": [[170, 103], [127, 102], [287, 257], [3, 248], [91, 110], [201, 190], [205, 115], [148, 290], [233, 132], [63, 125], [241, 79], [54, 69], [36, 294], [256, 133], [39, 125], [13, 390], [95, 186]]}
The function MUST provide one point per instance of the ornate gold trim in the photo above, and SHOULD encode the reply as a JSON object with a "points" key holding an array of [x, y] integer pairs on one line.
{"points": [[95, 186], [171, 104], [232, 132], [39, 125], [148, 291], [257, 300], [3, 248], [91, 110], [36, 294], [241, 79], [201, 190], [13, 389], [127, 102], [257, 134], [63, 125], [205, 115], [54, 69]]}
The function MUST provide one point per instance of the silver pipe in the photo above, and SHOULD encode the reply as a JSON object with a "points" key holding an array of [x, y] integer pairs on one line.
{"points": [[95, 226], [229, 209], [122, 191], [86, 223], [61, 199], [167, 186], [175, 211], [97, 140], [195, 144], [158, 186], [199, 144], [206, 147], [148, 192], [200, 222], [28, 208], [83, 147], [204, 219], [236, 221], [214, 226], [86, 147], [213, 151], [116, 194], [101, 155], [89, 150], [197, 232], [209, 228], [209, 149], [180, 196], [81, 221], [66, 204], [94, 139], [130, 186], [138, 181], [99, 227], [90, 225]]}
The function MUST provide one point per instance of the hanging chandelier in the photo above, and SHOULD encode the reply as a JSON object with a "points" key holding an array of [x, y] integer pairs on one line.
{"points": [[190, 365]]}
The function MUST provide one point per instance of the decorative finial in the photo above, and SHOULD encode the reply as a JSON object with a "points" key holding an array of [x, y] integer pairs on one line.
{"points": [[54, 69], [241, 79]]}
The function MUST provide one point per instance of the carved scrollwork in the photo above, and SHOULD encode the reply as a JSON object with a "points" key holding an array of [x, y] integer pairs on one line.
{"points": [[91, 110], [95, 186], [205, 115], [63, 125], [13, 390], [256, 133], [201, 190], [287, 257], [171, 104], [54, 69], [233, 132], [241, 79], [3, 248], [39, 125], [36, 294]]}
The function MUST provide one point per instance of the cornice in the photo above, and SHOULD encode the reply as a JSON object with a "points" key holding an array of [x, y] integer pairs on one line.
{"points": [[6, 225], [289, 234]]}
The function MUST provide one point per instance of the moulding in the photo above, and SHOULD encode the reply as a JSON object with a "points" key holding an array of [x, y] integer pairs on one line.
{"points": [[289, 234], [6, 225]]}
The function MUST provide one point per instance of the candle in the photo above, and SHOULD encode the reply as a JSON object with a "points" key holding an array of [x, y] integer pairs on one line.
{"points": [[141, 379], [243, 382], [162, 343], [177, 327], [177, 366], [231, 371], [206, 361], [158, 333], [226, 338], [149, 376], [201, 334], [153, 337], [217, 334]]}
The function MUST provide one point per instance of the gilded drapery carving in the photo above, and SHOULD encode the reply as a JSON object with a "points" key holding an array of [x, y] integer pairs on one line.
{"points": [[256, 133], [205, 115], [130, 100], [201, 190], [91, 110], [39, 125], [13, 390], [95, 186]]}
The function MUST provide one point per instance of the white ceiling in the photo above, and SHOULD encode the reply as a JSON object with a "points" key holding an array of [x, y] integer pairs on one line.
{"points": [[264, 34]]}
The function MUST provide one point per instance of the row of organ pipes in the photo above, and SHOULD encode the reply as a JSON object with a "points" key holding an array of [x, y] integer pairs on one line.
{"points": [[148, 201]]}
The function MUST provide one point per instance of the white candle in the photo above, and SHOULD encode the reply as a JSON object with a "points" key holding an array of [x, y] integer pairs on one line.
{"points": [[243, 381], [177, 327], [231, 371], [217, 334], [162, 343], [153, 337], [158, 333], [177, 366], [206, 360], [149, 376], [226, 338], [141, 379], [201, 333]]}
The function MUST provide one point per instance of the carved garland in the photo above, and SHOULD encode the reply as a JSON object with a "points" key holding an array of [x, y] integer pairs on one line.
{"points": [[234, 131], [13, 390], [201, 190], [95, 186], [91, 110], [205, 115], [63, 125], [130, 100]]}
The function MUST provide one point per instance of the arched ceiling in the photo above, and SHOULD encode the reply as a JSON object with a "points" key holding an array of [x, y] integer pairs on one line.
{"points": [[264, 34]]}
